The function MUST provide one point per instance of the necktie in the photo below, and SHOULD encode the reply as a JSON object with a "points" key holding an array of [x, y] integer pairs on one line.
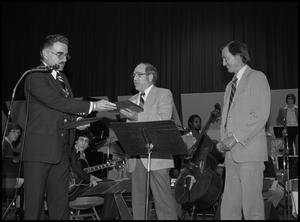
{"points": [[62, 83], [233, 88], [232, 92], [142, 101]]}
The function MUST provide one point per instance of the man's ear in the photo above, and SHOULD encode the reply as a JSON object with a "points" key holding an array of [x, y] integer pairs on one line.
{"points": [[44, 53], [150, 76]]}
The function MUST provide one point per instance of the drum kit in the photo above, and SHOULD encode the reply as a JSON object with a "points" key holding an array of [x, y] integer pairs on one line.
{"points": [[110, 145]]}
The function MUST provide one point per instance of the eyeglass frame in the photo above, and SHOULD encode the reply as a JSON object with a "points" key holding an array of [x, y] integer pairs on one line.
{"points": [[61, 55], [139, 74]]}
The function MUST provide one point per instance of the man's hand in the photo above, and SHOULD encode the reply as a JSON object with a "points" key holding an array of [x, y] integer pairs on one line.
{"points": [[94, 180], [129, 114], [82, 127], [226, 144], [103, 105], [229, 142]]}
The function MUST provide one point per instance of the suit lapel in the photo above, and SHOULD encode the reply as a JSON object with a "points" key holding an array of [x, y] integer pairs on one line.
{"points": [[150, 97]]}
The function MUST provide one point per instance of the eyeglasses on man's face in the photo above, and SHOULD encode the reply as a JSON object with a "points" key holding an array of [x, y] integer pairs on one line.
{"points": [[61, 55], [138, 74]]}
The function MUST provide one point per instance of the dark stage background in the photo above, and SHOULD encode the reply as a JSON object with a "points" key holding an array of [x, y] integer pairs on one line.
{"points": [[107, 41]]}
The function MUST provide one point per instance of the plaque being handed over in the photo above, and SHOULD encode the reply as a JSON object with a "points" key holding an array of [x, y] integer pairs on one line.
{"points": [[127, 104]]}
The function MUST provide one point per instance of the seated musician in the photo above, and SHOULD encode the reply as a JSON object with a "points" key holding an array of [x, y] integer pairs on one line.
{"points": [[11, 164], [11, 147], [79, 161], [214, 157]]}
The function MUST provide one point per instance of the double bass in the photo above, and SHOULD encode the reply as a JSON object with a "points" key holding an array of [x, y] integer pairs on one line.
{"points": [[197, 183]]}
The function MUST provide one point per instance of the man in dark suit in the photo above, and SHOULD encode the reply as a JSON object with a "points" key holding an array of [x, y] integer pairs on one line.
{"points": [[158, 105], [246, 109], [47, 146]]}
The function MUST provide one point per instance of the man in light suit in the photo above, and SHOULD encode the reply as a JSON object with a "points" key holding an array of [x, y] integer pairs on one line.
{"points": [[243, 137], [50, 105], [158, 105]]}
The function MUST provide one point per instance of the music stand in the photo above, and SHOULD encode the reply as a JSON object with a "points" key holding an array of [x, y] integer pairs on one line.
{"points": [[291, 130], [140, 138]]}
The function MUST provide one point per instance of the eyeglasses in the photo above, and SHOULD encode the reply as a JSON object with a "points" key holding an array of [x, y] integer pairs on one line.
{"points": [[138, 74], [61, 55]]}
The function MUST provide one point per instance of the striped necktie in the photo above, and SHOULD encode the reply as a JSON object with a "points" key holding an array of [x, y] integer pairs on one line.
{"points": [[142, 101], [62, 83], [232, 92], [233, 88]]}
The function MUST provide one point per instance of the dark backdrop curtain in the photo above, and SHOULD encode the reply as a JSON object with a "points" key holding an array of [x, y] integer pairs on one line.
{"points": [[107, 41]]}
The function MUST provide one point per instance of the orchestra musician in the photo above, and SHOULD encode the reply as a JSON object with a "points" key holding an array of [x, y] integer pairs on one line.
{"points": [[84, 180], [194, 126], [11, 145], [11, 166], [206, 182], [288, 117], [79, 161]]}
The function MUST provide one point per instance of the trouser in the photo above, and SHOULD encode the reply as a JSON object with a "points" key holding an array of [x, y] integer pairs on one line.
{"points": [[243, 191], [160, 188], [50, 180]]}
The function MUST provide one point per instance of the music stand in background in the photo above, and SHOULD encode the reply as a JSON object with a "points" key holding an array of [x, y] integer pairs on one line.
{"points": [[145, 138], [291, 130]]}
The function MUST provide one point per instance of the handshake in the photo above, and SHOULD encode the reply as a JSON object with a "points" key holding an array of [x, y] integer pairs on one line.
{"points": [[103, 105]]}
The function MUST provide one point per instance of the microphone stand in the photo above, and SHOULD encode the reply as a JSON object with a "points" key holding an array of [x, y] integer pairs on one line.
{"points": [[13, 96], [45, 68], [286, 173]]}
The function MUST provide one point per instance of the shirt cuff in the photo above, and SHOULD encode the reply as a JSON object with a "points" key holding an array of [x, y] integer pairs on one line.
{"points": [[91, 107]]}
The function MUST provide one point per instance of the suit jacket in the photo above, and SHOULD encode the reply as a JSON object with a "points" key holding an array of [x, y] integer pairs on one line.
{"points": [[281, 118], [48, 110], [247, 117], [158, 106]]}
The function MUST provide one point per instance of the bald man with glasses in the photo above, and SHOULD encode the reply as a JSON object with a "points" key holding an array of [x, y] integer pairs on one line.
{"points": [[158, 105]]}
